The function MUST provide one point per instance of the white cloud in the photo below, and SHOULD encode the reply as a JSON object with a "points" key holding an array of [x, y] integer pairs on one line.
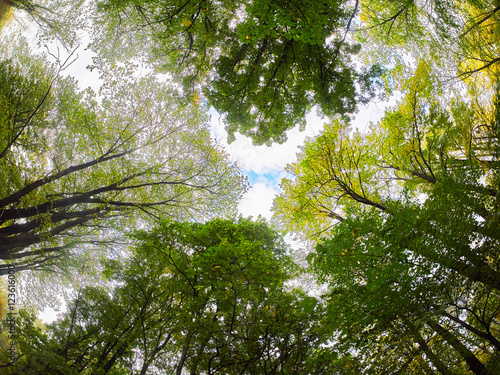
{"points": [[49, 315], [264, 159], [258, 201], [373, 112], [265, 165]]}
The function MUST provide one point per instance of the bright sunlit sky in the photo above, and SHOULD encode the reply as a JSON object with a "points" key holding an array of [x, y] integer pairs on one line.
{"points": [[265, 165]]}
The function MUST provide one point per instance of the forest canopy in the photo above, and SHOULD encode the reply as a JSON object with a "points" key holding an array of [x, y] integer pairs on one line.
{"points": [[124, 199]]}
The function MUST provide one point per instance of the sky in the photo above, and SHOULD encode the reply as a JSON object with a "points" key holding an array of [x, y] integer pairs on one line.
{"points": [[265, 166]]}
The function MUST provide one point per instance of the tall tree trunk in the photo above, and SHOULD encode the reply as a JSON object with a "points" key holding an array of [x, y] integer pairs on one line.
{"points": [[118, 354], [433, 358], [475, 365], [182, 360]]}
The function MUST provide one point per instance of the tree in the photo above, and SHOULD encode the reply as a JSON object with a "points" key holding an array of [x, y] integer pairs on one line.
{"points": [[56, 20], [263, 64], [459, 37], [419, 148], [237, 316], [478, 42], [386, 301], [74, 167], [407, 238], [207, 298]]}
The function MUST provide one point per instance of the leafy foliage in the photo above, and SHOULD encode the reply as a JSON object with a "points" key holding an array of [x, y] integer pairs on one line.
{"points": [[409, 234], [404, 217], [201, 297], [57, 20], [73, 166], [263, 64]]}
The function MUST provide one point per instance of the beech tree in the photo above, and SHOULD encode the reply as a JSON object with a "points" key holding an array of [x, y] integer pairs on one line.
{"points": [[459, 37], [263, 64], [404, 217], [73, 167], [407, 238], [58, 20], [203, 298]]}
